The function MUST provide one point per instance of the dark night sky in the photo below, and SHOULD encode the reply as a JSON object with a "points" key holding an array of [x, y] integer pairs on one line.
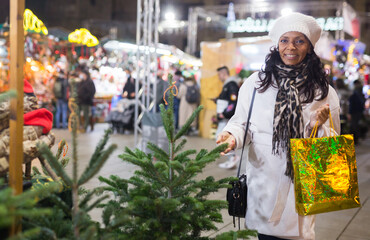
{"points": [[36, 6]]}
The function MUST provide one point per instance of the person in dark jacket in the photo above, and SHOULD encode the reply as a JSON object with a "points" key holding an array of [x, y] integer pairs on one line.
{"points": [[226, 104], [86, 91], [356, 109], [60, 90], [129, 88]]}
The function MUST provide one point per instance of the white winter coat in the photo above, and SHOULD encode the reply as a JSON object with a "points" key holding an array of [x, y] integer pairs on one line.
{"points": [[271, 201]]}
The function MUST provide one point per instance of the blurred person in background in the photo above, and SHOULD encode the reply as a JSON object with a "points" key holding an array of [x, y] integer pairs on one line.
{"points": [[129, 88], [60, 90], [226, 104], [177, 77], [343, 94], [356, 109], [86, 91], [187, 108]]}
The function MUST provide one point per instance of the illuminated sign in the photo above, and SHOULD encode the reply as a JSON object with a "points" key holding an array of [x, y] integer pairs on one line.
{"points": [[264, 25], [83, 36], [32, 23]]}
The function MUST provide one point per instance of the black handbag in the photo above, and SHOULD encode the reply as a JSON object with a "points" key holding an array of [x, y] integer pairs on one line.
{"points": [[236, 195]]}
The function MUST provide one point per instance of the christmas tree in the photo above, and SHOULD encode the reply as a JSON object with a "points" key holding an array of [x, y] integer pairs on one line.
{"points": [[70, 219], [163, 200]]}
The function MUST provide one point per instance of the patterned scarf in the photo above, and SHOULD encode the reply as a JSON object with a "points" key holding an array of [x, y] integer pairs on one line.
{"points": [[288, 120]]}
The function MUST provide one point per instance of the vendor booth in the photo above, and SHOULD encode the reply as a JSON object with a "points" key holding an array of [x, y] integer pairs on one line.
{"points": [[237, 54]]}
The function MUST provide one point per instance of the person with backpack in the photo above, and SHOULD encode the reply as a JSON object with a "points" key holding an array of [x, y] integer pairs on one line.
{"points": [[189, 95], [226, 104], [60, 90]]}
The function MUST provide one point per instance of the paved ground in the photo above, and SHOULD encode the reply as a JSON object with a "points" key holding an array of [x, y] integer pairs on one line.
{"points": [[353, 224]]}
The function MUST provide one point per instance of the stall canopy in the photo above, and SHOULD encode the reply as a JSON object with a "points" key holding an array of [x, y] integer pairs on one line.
{"points": [[172, 53]]}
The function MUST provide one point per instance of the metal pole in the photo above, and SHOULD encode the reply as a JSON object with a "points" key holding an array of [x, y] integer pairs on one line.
{"points": [[138, 43], [150, 52], [146, 31], [154, 80], [145, 52], [192, 31], [341, 9], [16, 105]]}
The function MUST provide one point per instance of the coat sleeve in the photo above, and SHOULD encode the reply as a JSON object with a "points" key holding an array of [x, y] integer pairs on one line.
{"points": [[233, 90], [236, 125]]}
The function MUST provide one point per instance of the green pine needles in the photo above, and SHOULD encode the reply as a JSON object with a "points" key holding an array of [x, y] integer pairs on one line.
{"points": [[163, 200], [71, 213]]}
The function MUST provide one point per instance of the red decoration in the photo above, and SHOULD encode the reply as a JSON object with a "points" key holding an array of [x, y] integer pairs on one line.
{"points": [[40, 117]]}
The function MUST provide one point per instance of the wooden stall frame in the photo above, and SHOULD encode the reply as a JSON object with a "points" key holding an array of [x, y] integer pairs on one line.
{"points": [[16, 105]]}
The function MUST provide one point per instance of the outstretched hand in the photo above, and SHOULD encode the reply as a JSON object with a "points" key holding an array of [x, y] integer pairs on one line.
{"points": [[226, 137], [320, 116]]}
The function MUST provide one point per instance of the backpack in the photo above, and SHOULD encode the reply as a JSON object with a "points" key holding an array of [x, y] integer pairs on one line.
{"points": [[58, 89], [192, 94]]}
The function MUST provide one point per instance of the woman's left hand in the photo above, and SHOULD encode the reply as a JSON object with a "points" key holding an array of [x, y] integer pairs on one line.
{"points": [[320, 116]]}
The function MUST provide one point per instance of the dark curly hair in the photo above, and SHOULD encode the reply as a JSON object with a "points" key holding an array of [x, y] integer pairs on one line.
{"points": [[316, 79]]}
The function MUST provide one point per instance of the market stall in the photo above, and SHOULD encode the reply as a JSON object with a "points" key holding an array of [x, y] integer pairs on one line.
{"points": [[236, 54]]}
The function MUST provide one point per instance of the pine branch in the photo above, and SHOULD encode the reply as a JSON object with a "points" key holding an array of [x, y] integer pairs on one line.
{"points": [[219, 149], [190, 120], [26, 234], [88, 197], [166, 121], [183, 157], [129, 152], [241, 234], [201, 154], [153, 177], [115, 182], [47, 170], [96, 202], [60, 149], [176, 165], [158, 152], [99, 148], [180, 146], [35, 171], [61, 204], [46, 153], [134, 160], [89, 233], [95, 167]]}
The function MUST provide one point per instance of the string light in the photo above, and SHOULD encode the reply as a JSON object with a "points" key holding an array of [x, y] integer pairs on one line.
{"points": [[32, 23], [83, 36]]}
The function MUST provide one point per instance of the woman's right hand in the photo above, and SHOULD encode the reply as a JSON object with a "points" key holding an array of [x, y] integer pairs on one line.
{"points": [[226, 137]]}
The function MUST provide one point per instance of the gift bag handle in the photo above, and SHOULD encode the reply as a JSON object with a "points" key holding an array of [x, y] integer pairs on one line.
{"points": [[314, 130]]}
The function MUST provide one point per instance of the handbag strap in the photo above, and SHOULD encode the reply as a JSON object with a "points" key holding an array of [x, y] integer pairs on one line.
{"points": [[246, 130]]}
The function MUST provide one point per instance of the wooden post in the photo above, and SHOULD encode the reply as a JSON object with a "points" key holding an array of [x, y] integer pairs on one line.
{"points": [[16, 105]]}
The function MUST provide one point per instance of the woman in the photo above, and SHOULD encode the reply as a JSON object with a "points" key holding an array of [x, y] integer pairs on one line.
{"points": [[292, 95], [86, 91], [186, 109]]}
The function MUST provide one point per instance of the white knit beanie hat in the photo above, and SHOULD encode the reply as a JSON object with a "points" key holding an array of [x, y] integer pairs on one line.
{"points": [[295, 22]]}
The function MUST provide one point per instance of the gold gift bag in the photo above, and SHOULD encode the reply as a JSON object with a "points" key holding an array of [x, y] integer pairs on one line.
{"points": [[325, 173]]}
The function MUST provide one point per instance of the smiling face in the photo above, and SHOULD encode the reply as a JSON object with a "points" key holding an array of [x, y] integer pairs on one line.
{"points": [[293, 47]]}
